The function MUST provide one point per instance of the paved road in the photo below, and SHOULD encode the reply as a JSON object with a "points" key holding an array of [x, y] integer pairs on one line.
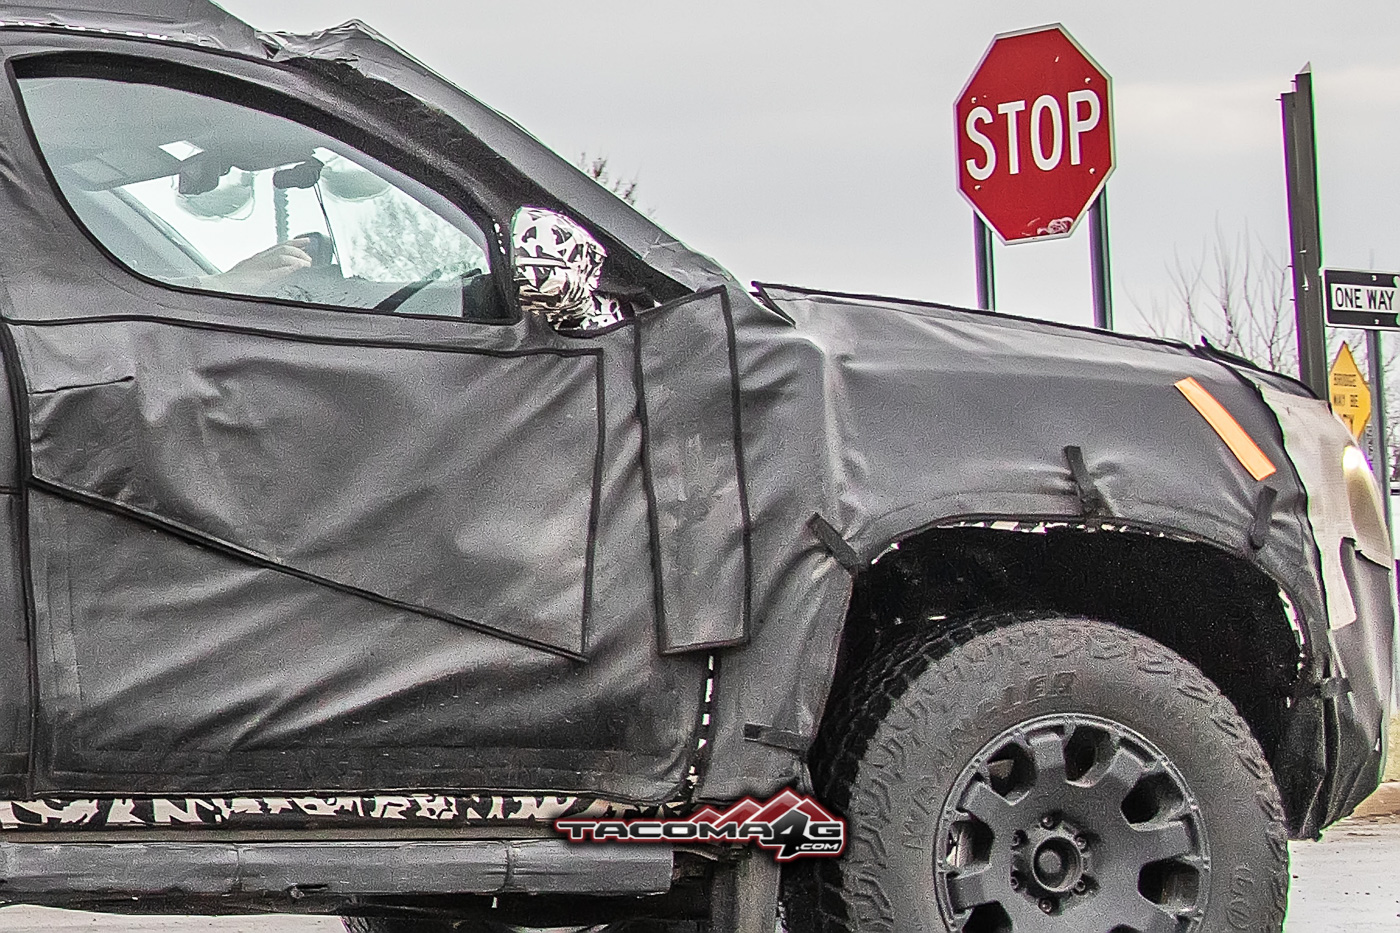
{"points": [[1347, 882]]}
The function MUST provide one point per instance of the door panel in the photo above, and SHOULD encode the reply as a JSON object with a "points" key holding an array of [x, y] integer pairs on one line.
{"points": [[176, 658]]}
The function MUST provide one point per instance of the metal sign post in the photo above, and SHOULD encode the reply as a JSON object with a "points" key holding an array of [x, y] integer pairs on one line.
{"points": [[1098, 262], [1350, 299], [1305, 230], [1380, 456], [986, 272]]}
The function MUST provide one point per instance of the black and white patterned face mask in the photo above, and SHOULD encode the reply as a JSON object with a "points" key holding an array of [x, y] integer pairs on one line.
{"points": [[558, 265]]}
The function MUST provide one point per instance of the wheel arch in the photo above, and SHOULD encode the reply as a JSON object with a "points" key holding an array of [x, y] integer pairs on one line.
{"points": [[1215, 609]]}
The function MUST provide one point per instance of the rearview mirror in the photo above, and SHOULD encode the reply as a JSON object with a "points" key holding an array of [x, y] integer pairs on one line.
{"points": [[302, 175], [200, 173], [557, 267]]}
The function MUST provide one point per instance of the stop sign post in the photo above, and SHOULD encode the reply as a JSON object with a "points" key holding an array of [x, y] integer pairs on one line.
{"points": [[1035, 146]]}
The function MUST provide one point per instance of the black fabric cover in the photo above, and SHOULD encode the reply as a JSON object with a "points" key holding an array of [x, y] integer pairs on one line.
{"points": [[685, 354], [403, 472], [196, 22], [171, 662], [886, 417]]}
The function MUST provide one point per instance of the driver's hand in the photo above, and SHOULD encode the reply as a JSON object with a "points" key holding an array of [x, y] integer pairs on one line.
{"points": [[263, 269]]}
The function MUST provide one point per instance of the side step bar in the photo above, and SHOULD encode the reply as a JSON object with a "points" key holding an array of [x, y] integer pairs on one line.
{"points": [[475, 866]]}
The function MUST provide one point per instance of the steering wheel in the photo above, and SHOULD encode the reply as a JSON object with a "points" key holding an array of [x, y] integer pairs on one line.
{"points": [[392, 301]]}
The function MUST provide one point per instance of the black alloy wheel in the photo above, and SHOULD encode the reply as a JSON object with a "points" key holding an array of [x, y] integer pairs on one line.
{"points": [[1040, 774], [1071, 819]]}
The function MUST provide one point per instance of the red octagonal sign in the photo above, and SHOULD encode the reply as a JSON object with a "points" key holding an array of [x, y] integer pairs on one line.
{"points": [[1035, 134]]}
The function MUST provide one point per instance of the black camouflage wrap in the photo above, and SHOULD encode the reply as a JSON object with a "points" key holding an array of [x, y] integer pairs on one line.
{"points": [[254, 550]]}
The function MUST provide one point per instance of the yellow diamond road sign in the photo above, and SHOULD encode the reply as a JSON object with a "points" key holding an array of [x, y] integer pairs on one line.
{"points": [[1351, 397]]}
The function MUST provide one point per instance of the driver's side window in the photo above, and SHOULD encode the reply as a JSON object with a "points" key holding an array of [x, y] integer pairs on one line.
{"points": [[202, 193]]}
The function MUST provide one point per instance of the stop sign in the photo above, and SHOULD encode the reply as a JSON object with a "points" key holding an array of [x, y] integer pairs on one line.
{"points": [[1035, 134]]}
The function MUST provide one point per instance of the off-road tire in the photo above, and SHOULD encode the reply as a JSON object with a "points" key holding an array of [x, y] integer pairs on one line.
{"points": [[901, 735]]}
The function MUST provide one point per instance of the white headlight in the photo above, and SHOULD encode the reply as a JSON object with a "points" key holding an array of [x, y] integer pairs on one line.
{"points": [[1367, 511]]}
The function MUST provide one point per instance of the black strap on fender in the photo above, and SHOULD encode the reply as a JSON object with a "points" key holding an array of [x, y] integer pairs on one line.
{"points": [[840, 549], [1091, 500], [1263, 517], [1332, 688]]}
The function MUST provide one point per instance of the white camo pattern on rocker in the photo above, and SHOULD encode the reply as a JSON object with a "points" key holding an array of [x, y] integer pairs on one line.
{"points": [[300, 811]]}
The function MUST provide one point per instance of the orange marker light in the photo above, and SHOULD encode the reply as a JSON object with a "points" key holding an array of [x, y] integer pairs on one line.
{"points": [[1241, 444]]}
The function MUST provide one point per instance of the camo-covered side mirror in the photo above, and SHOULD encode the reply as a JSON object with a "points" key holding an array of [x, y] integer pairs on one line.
{"points": [[557, 267]]}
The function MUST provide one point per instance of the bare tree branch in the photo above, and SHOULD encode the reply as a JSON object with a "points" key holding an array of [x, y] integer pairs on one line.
{"points": [[1235, 294], [596, 168]]}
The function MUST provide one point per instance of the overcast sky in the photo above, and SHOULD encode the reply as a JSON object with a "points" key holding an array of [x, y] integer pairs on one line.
{"points": [[812, 142]]}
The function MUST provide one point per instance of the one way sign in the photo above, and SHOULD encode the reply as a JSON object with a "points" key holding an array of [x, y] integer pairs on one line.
{"points": [[1361, 299]]}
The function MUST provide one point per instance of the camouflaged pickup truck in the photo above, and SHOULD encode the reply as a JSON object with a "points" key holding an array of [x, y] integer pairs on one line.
{"points": [[398, 525]]}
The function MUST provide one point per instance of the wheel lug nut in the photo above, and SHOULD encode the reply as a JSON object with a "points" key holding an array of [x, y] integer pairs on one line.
{"points": [[1018, 839], [1080, 886], [1015, 881], [1047, 905], [1081, 843], [1048, 821]]}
